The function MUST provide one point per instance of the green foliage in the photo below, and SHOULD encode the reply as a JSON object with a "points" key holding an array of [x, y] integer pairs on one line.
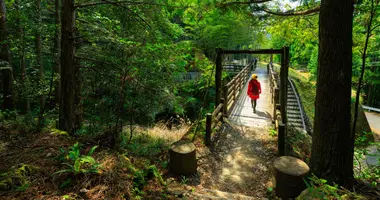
{"points": [[318, 188], [145, 145], [184, 180], [76, 162], [141, 178], [18, 178], [363, 139], [273, 132], [363, 170]]}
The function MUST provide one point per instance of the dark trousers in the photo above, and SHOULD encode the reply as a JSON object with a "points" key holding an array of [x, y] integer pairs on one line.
{"points": [[254, 103]]}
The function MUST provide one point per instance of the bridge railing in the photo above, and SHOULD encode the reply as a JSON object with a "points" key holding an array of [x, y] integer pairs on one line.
{"points": [[274, 82], [231, 92], [234, 88]]}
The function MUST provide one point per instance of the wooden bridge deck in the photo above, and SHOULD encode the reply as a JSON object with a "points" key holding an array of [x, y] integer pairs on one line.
{"points": [[242, 113]]}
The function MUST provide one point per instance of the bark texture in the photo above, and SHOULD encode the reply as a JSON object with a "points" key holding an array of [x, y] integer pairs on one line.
{"points": [[68, 116], [333, 142], [57, 48]]}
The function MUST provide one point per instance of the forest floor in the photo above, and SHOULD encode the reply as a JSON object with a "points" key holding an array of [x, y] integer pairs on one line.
{"points": [[29, 161]]}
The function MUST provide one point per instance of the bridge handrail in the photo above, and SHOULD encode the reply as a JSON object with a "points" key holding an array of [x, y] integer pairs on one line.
{"points": [[298, 103], [234, 88], [371, 108], [227, 103]]}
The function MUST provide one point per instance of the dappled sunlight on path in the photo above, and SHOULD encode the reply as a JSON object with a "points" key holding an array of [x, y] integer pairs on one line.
{"points": [[240, 161]]}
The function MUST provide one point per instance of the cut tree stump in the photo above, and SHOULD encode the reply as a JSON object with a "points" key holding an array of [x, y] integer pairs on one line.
{"points": [[290, 172], [183, 159]]}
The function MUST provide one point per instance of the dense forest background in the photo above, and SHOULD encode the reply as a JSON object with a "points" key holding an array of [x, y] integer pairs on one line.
{"points": [[103, 69]]}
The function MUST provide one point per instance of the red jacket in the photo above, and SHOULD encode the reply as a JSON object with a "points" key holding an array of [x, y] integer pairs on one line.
{"points": [[254, 89]]}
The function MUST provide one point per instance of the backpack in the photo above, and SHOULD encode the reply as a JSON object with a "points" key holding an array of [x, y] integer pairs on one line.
{"points": [[254, 88]]}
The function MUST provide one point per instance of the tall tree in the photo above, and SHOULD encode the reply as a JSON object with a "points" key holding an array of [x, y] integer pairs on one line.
{"points": [[68, 119], [333, 141], [5, 65], [38, 47], [57, 48]]}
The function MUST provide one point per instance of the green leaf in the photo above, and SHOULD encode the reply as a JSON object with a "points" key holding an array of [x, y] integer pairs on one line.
{"points": [[62, 171], [87, 159], [92, 150]]}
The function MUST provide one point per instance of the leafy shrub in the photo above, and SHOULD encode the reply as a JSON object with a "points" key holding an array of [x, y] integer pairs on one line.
{"points": [[146, 145], [319, 188], [141, 178], [77, 163]]}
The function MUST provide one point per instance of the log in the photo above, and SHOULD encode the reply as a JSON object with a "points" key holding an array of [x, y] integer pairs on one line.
{"points": [[290, 172], [183, 158]]}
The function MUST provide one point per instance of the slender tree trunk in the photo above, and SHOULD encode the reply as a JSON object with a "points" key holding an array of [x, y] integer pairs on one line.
{"points": [[333, 142], [38, 46], [5, 65], [57, 48], [69, 72], [22, 64], [364, 56]]}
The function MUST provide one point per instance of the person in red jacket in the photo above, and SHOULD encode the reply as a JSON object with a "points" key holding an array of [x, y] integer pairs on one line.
{"points": [[254, 91]]}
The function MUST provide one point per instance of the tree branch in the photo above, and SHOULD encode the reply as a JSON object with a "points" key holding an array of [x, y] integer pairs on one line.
{"points": [[137, 15], [292, 13], [245, 3], [375, 27], [118, 2], [94, 60]]}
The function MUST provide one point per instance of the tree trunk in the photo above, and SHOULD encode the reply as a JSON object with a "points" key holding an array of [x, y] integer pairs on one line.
{"points": [[69, 72], [57, 48], [38, 46], [22, 63], [5, 65], [333, 142]]}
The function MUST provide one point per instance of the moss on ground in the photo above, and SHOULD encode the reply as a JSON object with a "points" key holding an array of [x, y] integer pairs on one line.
{"points": [[17, 177]]}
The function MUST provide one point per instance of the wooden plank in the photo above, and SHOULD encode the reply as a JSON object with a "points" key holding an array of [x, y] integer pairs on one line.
{"points": [[230, 95], [217, 120], [217, 110], [256, 51]]}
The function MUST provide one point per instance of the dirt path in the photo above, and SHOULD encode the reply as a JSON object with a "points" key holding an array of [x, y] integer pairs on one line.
{"points": [[240, 161]]}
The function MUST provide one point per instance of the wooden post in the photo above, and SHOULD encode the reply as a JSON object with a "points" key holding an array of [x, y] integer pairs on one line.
{"points": [[271, 59], [223, 101], [225, 107], [208, 129], [281, 139], [276, 95], [283, 87], [286, 74], [234, 88], [218, 76], [275, 102]]}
